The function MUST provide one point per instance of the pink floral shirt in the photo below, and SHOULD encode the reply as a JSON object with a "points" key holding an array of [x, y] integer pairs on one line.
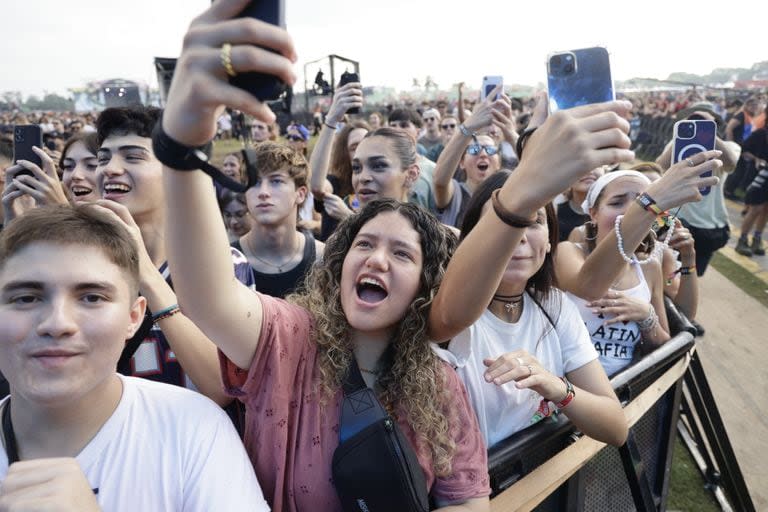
{"points": [[291, 439]]}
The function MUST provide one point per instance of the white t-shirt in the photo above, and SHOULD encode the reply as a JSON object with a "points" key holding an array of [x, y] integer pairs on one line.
{"points": [[167, 448], [504, 410]]}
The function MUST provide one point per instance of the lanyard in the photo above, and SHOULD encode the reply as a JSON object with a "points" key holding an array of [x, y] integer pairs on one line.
{"points": [[9, 436]]}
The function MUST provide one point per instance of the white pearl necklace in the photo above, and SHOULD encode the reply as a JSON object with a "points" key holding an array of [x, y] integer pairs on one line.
{"points": [[658, 248]]}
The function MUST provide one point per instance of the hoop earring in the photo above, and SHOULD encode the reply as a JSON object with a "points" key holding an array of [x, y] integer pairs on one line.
{"points": [[590, 225]]}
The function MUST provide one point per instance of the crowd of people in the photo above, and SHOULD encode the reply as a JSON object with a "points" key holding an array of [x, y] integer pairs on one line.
{"points": [[480, 270]]}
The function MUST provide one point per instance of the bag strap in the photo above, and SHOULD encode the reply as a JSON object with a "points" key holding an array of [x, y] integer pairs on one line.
{"points": [[353, 381], [132, 345]]}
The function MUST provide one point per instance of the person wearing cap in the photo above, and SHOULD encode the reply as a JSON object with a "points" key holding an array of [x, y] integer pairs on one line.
{"points": [[431, 137], [707, 220], [615, 276], [297, 136]]}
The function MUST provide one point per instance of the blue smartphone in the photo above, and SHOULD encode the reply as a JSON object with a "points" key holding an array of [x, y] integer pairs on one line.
{"points": [[693, 136], [579, 77]]}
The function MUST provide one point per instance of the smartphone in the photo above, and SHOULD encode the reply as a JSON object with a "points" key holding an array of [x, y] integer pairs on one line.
{"points": [[579, 77], [24, 137], [489, 84], [693, 136], [262, 86], [348, 78]]}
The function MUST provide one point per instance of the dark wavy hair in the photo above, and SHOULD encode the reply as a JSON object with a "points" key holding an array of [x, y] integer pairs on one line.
{"points": [[138, 120], [541, 283], [340, 164], [410, 376]]}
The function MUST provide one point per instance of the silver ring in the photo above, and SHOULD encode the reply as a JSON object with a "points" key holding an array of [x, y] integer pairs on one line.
{"points": [[519, 361], [530, 370], [690, 162]]}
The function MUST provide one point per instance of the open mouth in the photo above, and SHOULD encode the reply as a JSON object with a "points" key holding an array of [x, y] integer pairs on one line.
{"points": [[367, 194], [483, 166], [371, 290], [79, 191], [115, 189]]}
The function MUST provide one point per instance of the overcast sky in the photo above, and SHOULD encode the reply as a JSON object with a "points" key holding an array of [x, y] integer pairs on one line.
{"points": [[58, 44]]}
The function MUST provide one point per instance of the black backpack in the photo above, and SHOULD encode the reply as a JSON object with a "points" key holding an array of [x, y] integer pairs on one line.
{"points": [[374, 467]]}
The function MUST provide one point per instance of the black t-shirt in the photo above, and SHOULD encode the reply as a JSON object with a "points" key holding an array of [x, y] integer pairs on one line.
{"points": [[757, 144], [285, 283], [738, 132], [567, 219]]}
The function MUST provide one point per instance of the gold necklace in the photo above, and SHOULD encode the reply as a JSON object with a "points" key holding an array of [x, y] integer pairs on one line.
{"points": [[281, 265]]}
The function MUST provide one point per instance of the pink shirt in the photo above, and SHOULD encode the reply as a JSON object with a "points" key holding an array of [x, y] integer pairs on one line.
{"points": [[291, 440]]}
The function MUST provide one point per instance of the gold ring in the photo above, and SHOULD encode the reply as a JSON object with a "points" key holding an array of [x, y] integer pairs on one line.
{"points": [[226, 59], [690, 162]]}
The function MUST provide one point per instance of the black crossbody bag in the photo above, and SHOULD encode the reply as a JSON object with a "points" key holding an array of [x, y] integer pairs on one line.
{"points": [[375, 468]]}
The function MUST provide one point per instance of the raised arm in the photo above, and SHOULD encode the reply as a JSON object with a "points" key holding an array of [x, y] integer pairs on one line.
{"points": [[483, 117], [347, 96], [198, 249], [591, 277], [569, 144]]}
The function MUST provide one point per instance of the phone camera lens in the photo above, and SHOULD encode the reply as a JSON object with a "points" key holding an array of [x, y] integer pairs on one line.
{"points": [[556, 60], [568, 68], [19, 137], [686, 130]]}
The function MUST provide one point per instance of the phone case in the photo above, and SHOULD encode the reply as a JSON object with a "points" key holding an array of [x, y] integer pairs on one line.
{"points": [[579, 77], [489, 84], [346, 78], [262, 86], [24, 137], [691, 137]]}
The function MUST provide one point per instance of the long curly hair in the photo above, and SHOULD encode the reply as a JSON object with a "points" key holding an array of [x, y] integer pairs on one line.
{"points": [[340, 164], [411, 378]]}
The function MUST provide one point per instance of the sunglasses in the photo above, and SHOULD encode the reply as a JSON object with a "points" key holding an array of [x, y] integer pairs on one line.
{"points": [[447, 126], [294, 138], [474, 149]]}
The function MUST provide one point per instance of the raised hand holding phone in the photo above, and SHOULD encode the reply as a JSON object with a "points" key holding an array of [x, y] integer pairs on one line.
{"points": [[693, 136], [201, 88]]}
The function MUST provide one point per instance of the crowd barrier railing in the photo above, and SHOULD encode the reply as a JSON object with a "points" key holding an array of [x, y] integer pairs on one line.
{"points": [[552, 467]]}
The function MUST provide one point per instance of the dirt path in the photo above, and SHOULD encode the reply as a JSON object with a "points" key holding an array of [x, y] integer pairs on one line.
{"points": [[736, 364]]}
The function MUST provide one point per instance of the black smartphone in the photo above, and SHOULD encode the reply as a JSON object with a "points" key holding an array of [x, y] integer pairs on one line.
{"points": [[262, 86], [24, 137], [348, 78]]}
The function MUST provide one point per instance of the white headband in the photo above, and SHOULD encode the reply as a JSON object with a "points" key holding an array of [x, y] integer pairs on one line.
{"points": [[605, 179]]}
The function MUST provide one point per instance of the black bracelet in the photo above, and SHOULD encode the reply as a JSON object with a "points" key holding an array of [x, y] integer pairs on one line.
{"points": [[522, 139], [329, 126], [507, 217], [176, 155]]}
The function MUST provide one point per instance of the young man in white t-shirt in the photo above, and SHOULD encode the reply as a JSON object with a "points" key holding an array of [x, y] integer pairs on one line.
{"points": [[77, 436]]}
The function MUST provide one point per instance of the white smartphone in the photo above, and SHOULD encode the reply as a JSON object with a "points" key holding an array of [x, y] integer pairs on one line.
{"points": [[489, 84]]}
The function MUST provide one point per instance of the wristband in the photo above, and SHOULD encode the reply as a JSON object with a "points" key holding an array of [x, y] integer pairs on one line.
{"points": [[507, 217], [166, 313], [570, 392], [464, 131], [687, 271], [522, 140], [648, 204], [332, 127], [176, 155]]}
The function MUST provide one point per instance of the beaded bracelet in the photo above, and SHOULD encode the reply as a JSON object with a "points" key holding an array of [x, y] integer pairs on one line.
{"points": [[569, 394], [507, 217], [658, 248], [166, 313], [650, 321]]}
